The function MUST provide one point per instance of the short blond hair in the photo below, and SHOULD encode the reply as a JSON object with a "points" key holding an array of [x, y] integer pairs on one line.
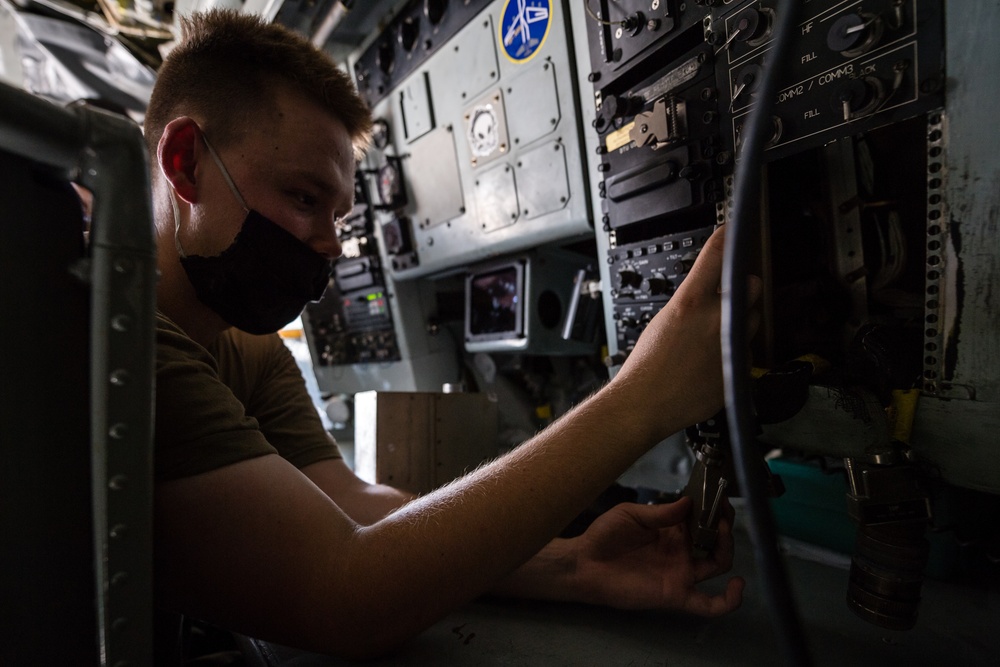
{"points": [[226, 69]]}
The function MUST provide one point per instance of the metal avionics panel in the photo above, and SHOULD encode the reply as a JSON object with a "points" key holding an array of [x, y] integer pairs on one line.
{"points": [[355, 333], [520, 304], [502, 87], [416, 32], [426, 361], [533, 93], [438, 192], [879, 196], [496, 197], [415, 108], [472, 55], [543, 180], [854, 67]]}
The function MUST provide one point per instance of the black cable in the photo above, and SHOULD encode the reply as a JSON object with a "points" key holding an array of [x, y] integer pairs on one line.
{"points": [[735, 347]]}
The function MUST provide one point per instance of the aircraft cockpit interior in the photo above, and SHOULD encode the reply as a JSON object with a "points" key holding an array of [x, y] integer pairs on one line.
{"points": [[541, 177]]}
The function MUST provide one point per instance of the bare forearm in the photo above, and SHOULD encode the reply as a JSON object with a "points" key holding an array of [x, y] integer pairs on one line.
{"points": [[549, 575], [446, 548]]}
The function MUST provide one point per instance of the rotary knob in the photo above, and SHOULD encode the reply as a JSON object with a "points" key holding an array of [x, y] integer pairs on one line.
{"points": [[658, 284], [629, 278], [752, 25], [858, 97], [854, 34], [683, 265]]}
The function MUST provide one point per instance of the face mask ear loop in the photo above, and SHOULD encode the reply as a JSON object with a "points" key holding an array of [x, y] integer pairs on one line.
{"points": [[177, 225], [225, 174]]}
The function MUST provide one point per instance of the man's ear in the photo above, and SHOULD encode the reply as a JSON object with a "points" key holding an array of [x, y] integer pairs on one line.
{"points": [[178, 153]]}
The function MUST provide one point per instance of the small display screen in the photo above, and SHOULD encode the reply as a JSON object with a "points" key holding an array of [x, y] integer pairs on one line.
{"points": [[494, 302]]}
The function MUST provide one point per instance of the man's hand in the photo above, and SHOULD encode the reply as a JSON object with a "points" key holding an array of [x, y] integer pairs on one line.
{"points": [[639, 557], [673, 376]]}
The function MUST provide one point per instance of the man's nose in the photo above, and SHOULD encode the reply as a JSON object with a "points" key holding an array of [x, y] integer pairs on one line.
{"points": [[325, 241]]}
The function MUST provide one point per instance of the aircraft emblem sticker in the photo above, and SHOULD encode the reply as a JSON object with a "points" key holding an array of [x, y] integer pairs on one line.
{"points": [[524, 25]]}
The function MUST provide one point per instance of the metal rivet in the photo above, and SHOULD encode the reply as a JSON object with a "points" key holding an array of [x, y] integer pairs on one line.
{"points": [[118, 431], [119, 378], [121, 323], [117, 531], [118, 482], [123, 265]]}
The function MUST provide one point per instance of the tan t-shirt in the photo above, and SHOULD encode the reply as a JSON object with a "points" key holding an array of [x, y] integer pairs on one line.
{"points": [[240, 398]]}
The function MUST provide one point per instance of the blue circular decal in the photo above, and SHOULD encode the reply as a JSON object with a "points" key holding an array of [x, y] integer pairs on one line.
{"points": [[524, 25]]}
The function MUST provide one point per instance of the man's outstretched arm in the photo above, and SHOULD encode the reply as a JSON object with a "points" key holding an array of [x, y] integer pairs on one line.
{"points": [[634, 557], [257, 547]]}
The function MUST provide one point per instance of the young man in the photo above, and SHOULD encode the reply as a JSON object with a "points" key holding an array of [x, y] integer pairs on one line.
{"points": [[260, 526]]}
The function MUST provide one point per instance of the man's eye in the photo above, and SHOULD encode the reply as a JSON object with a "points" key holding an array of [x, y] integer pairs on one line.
{"points": [[303, 199]]}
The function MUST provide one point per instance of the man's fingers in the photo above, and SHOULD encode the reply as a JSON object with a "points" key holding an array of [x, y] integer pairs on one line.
{"points": [[721, 559], [705, 275], [661, 516], [703, 604]]}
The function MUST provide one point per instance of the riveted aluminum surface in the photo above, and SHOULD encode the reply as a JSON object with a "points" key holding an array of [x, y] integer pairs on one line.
{"points": [[468, 70], [106, 154]]}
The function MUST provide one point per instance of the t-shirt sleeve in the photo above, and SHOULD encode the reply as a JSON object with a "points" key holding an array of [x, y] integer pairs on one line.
{"points": [[200, 425], [283, 407]]}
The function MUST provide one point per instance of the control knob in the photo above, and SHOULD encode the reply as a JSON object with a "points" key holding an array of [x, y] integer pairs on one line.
{"points": [[858, 97], [854, 34], [683, 265], [629, 278], [753, 25], [615, 108], [658, 284]]}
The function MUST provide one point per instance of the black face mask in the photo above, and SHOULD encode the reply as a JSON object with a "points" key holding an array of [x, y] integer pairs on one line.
{"points": [[264, 279]]}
